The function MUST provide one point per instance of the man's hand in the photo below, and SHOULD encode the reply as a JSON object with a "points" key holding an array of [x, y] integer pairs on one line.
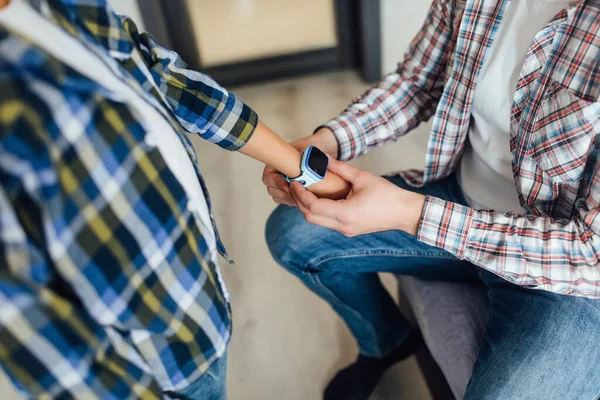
{"points": [[277, 187], [373, 204]]}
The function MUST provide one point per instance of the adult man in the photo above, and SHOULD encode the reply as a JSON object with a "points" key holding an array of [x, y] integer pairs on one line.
{"points": [[511, 185], [109, 278]]}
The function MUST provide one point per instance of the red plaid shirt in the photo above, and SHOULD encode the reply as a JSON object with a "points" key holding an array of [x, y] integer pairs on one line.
{"points": [[555, 122]]}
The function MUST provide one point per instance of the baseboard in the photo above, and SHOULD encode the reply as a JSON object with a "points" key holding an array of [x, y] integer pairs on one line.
{"points": [[264, 69]]}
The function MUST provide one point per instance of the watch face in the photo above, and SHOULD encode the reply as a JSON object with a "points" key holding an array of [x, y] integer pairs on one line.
{"points": [[317, 161]]}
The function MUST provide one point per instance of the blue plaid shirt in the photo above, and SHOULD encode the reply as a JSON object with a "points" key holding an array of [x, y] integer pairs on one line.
{"points": [[107, 288]]}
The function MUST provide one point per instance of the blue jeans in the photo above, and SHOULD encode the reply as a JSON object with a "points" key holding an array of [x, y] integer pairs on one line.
{"points": [[210, 386], [536, 345]]}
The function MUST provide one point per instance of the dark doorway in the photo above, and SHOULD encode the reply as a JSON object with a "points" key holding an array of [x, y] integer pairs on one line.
{"points": [[357, 31]]}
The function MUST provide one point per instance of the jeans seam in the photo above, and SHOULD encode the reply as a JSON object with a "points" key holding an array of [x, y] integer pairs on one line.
{"points": [[485, 332], [339, 302], [211, 375], [370, 253], [361, 253]]}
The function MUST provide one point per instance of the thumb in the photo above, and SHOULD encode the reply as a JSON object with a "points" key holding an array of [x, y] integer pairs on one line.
{"points": [[343, 170]]}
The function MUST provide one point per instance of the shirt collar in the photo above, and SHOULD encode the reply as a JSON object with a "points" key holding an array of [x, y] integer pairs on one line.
{"points": [[68, 15]]}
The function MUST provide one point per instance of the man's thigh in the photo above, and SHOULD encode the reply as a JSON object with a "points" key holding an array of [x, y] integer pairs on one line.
{"points": [[296, 244], [537, 345]]}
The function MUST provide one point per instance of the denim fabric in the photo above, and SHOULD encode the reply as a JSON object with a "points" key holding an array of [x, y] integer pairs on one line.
{"points": [[211, 385], [536, 344]]}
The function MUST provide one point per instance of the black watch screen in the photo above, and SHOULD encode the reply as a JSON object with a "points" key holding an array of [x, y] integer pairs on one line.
{"points": [[317, 161]]}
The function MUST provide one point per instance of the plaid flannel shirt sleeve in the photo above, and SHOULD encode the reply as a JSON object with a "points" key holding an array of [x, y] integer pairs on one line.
{"points": [[403, 99], [200, 104], [557, 255]]}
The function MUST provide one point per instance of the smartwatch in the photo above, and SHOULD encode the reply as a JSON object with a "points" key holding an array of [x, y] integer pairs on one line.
{"points": [[313, 167]]}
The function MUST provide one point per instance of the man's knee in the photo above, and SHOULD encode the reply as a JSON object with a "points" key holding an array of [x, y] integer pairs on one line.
{"points": [[541, 346], [287, 234], [538, 382]]}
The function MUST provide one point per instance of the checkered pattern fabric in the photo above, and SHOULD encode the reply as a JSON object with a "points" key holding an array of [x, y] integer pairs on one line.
{"points": [[555, 122], [107, 288]]}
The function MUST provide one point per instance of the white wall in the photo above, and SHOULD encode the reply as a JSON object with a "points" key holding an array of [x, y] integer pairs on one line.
{"points": [[131, 9], [230, 31], [400, 21]]}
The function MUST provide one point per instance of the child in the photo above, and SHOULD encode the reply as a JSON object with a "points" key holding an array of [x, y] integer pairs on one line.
{"points": [[109, 277]]}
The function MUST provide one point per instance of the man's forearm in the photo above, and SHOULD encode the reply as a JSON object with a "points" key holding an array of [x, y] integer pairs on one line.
{"points": [[324, 139], [519, 248]]}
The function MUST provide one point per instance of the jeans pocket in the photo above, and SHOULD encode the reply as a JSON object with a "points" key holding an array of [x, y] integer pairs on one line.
{"points": [[211, 385]]}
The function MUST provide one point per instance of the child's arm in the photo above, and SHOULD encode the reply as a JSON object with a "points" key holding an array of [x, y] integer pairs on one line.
{"points": [[265, 146], [203, 107]]}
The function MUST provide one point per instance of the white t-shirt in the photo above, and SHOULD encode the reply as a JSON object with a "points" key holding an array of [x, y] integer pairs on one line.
{"points": [[485, 172], [19, 17]]}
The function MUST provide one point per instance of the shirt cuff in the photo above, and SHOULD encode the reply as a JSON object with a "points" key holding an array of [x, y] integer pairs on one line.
{"points": [[348, 133], [445, 225], [240, 127]]}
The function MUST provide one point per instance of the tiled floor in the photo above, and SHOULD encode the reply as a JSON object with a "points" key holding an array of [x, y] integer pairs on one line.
{"points": [[288, 343]]}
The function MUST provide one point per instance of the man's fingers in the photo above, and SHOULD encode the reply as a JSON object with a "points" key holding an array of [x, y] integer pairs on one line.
{"points": [[274, 179], [286, 201], [302, 195], [324, 207], [343, 170], [276, 192], [320, 220]]}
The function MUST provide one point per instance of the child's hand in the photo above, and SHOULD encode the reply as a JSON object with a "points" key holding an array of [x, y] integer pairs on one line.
{"points": [[277, 187]]}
